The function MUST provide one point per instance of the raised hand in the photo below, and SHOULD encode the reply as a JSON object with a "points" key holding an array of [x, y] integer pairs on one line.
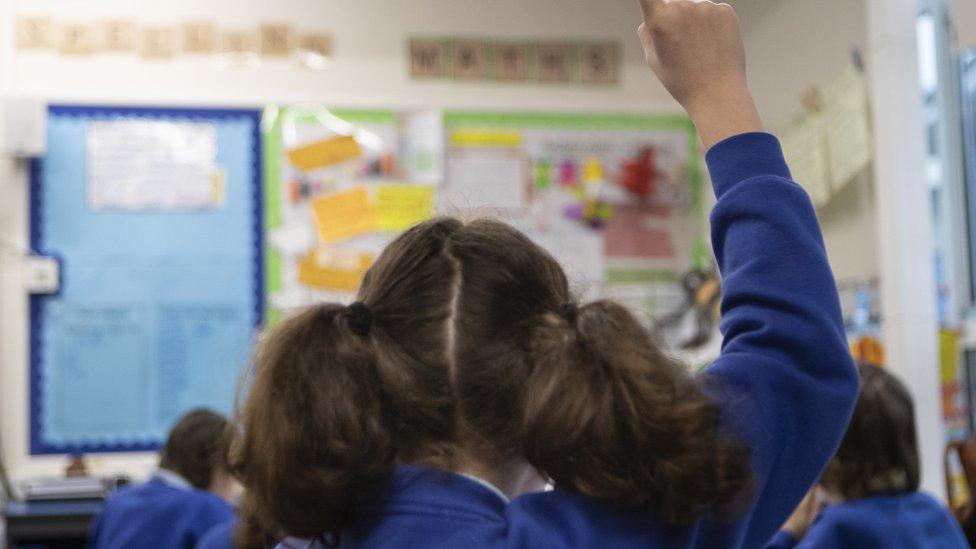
{"points": [[696, 51]]}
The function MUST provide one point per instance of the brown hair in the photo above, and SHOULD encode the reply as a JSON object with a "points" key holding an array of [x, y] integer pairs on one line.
{"points": [[879, 452], [470, 344], [194, 448]]}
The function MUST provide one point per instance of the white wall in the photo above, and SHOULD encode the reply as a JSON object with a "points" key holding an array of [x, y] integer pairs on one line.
{"points": [[964, 18], [369, 70], [793, 45]]}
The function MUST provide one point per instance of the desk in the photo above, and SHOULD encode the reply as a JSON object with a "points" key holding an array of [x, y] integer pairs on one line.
{"points": [[54, 524]]}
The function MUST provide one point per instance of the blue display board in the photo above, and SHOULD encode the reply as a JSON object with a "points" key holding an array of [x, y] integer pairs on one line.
{"points": [[158, 305]]}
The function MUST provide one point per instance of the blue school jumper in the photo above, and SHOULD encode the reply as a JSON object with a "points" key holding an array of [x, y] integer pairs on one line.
{"points": [[785, 381], [219, 537], [907, 521], [164, 513]]}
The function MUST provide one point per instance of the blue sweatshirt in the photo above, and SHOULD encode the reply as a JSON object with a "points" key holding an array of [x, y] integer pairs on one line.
{"points": [[219, 537], [164, 513], [907, 521], [787, 387]]}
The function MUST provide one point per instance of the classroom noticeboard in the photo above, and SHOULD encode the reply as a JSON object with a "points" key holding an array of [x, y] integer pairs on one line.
{"points": [[339, 185], [617, 199], [156, 217]]}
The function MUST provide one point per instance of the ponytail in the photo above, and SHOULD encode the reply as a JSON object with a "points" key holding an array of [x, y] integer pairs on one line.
{"points": [[313, 437], [609, 415]]}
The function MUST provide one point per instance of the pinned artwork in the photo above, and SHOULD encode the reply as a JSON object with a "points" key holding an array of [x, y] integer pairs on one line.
{"points": [[344, 215], [399, 207], [543, 174], [334, 269], [325, 153], [640, 174], [426, 58]]}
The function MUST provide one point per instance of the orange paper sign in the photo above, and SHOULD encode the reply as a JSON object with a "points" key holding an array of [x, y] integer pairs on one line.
{"points": [[343, 215], [334, 269], [323, 154]]}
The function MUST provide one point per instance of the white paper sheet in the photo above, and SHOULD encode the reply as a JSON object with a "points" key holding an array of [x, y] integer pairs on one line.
{"points": [[485, 178], [805, 148], [141, 165], [847, 122]]}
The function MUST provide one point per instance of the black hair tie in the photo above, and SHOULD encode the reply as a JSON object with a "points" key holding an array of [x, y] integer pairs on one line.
{"points": [[570, 312], [359, 318]]}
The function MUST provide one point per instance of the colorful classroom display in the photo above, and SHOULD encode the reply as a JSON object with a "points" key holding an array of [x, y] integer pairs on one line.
{"points": [[340, 186], [617, 199], [182, 232], [154, 215]]}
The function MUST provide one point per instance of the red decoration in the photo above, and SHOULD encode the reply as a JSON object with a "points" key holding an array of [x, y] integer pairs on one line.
{"points": [[640, 175]]}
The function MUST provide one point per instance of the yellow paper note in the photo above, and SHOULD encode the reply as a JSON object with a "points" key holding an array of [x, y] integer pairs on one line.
{"points": [[805, 148], [343, 215], [399, 207], [486, 138], [850, 141], [325, 153], [331, 269]]}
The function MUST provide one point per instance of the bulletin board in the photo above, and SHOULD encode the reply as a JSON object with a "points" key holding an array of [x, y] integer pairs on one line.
{"points": [[156, 216], [617, 199], [340, 184]]}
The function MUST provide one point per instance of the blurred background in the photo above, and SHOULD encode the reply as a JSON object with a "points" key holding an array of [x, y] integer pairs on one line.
{"points": [[174, 176]]}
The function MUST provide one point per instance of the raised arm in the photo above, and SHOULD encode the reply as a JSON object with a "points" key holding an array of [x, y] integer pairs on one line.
{"points": [[785, 375]]}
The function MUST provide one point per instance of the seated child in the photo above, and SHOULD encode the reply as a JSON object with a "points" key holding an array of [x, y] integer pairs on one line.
{"points": [[187, 496], [871, 486], [429, 412]]}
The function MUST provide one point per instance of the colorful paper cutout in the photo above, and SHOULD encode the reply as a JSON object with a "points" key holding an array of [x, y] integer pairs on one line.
{"points": [[486, 138], [343, 215], [543, 174], [641, 175], [399, 207], [325, 153], [334, 269]]}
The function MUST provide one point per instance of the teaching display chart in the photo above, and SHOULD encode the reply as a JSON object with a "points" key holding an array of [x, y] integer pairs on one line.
{"points": [[617, 199], [340, 184], [156, 217]]}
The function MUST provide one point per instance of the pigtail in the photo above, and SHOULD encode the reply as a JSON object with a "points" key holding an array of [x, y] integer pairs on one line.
{"points": [[609, 415], [312, 437]]}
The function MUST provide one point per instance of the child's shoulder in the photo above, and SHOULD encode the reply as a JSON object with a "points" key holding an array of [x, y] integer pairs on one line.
{"points": [[898, 516]]}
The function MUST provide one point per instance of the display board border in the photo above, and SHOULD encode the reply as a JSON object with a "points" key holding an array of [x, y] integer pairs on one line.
{"points": [[37, 190]]}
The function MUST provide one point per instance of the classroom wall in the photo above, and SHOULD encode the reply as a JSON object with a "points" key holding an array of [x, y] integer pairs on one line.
{"points": [[964, 17], [791, 46], [369, 70]]}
